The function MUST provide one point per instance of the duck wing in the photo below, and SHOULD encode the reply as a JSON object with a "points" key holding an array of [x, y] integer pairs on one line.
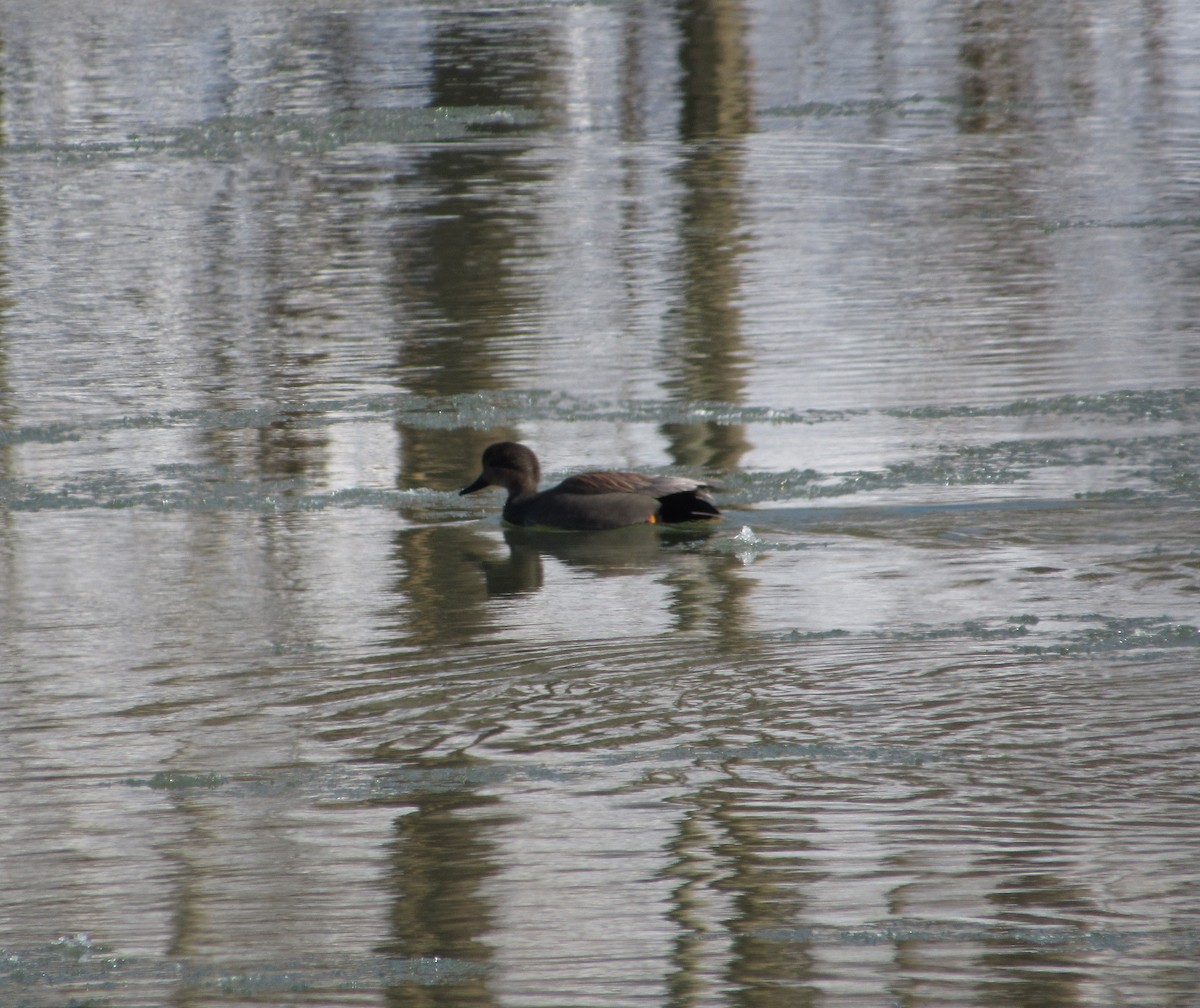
{"points": [[626, 482]]}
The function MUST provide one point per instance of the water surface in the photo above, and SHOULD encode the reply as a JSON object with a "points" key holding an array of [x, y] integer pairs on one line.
{"points": [[289, 722]]}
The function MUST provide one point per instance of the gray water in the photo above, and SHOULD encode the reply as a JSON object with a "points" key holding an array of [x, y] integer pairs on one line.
{"points": [[286, 721]]}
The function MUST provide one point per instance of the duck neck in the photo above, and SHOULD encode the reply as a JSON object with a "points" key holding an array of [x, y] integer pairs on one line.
{"points": [[520, 492]]}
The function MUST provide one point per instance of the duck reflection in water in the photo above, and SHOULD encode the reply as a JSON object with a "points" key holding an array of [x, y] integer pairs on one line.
{"points": [[634, 549], [589, 501]]}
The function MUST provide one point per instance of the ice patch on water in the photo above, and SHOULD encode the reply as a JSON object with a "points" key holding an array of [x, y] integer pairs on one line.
{"points": [[74, 964]]}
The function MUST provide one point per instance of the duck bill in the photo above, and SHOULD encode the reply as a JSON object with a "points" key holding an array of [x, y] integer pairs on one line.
{"points": [[479, 484]]}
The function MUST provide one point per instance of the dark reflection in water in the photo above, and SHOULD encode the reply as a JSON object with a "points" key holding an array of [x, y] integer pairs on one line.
{"points": [[761, 879], [1022, 977], [996, 82], [460, 295], [1030, 891], [635, 549], [717, 98], [439, 860], [491, 58], [449, 574], [703, 357], [439, 595]]}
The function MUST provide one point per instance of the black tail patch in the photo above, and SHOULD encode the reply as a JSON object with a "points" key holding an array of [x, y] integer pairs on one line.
{"points": [[686, 506]]}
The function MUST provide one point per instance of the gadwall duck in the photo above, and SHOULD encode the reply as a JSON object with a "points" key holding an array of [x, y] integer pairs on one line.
{"points": [[591, 500]]}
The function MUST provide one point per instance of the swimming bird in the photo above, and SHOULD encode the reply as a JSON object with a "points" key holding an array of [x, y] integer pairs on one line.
{"points": [[591, 500]]}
